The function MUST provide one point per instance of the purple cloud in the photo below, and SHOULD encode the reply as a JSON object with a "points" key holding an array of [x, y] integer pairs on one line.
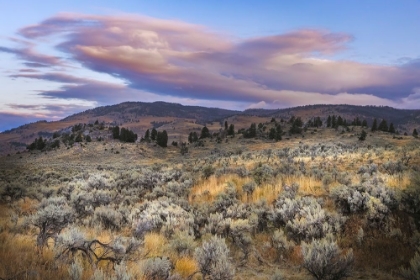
{"points": [[174, 58]]}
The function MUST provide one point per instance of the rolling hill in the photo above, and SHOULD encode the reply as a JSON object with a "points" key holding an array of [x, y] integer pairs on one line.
{"points": [[180, 120]]}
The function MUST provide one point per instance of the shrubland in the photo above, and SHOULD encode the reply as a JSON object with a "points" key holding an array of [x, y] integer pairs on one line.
{"points": [[316, 203]]}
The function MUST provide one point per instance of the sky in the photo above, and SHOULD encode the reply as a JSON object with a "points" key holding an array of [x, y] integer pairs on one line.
{"points": [[63, 57]]}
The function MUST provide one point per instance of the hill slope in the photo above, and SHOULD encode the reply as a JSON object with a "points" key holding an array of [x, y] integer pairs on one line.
{"points": [[179, 120]]}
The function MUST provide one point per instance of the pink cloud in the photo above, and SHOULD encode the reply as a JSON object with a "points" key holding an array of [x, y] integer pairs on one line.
{"points": [[183, 60]]}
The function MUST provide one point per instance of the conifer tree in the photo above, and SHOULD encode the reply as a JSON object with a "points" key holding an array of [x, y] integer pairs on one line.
{"points": [[374, 125], [391, 128], [153, 134], [116, 132]]}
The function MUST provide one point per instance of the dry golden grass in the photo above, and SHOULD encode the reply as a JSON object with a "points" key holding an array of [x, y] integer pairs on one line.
{"points": [[186, 266], [154, 244], [27, 206], [207, 190], [19, 259]]}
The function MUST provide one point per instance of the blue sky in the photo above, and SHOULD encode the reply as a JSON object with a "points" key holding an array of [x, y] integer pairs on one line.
{"points": [[238, 55]]}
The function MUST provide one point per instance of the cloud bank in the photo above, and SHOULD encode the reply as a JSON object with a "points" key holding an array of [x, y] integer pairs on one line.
{"points": [[171, 59]]}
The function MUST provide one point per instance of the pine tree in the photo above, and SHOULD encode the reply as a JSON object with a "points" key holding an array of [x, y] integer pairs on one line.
{"points": [[231, 130], [162, 138], [226, 125], [383, 126], [374, 125], [364, 123], [415, 134], [363, 136], [147, 135], [205, 133], [391, 128], [334, 121], [340, 121], [116, 132], [153, 134], [329, 121]]}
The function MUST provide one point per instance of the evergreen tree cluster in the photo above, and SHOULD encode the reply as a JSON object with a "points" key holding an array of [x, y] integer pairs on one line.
{"points": [[358, 122], [161, 137], [383, 126], [275, 133], [336, 121], [193, 137], [297, 124], [231, 130], [123, 134], [38, 144], [251, 132], [205, 133], [314, 122]]}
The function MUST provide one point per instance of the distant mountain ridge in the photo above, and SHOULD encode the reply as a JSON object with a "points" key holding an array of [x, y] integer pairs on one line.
{"points": [[159, 109], [180, 119]]}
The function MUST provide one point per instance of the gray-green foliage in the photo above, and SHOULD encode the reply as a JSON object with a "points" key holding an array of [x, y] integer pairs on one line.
{"points": [[323, 259], [162, 215], [303, 217], [52, 216], [156, 268], [262, 173], [182, 243], [121, 272], [281, 243], [108, 218], [75, 270], [213, 259]]}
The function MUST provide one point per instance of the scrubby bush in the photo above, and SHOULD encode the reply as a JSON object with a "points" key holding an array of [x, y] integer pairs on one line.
{"points": [[156, 268], [75, 270], [281, 243], [410, 197], [213, 259], [262, 174], [323, 259], [161, 214], [182, 243], [52, 216], [108, 218]]}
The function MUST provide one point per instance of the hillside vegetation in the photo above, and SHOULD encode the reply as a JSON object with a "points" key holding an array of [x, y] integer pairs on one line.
{"points": [[245, 197]]}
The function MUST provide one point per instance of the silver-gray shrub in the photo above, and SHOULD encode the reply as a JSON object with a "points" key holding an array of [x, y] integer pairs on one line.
{"points": [[263, 173], [240, 233], [304, 218], [217, 224], [98, 275], [238, 211], [121, 272], [213, 259], [350, 199], [249, 187], [182, 243], [75, 270], [225, 199], [158, 214], [323, 259], [156, 268], [108, 218], [281, 243], [52, 216]]}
